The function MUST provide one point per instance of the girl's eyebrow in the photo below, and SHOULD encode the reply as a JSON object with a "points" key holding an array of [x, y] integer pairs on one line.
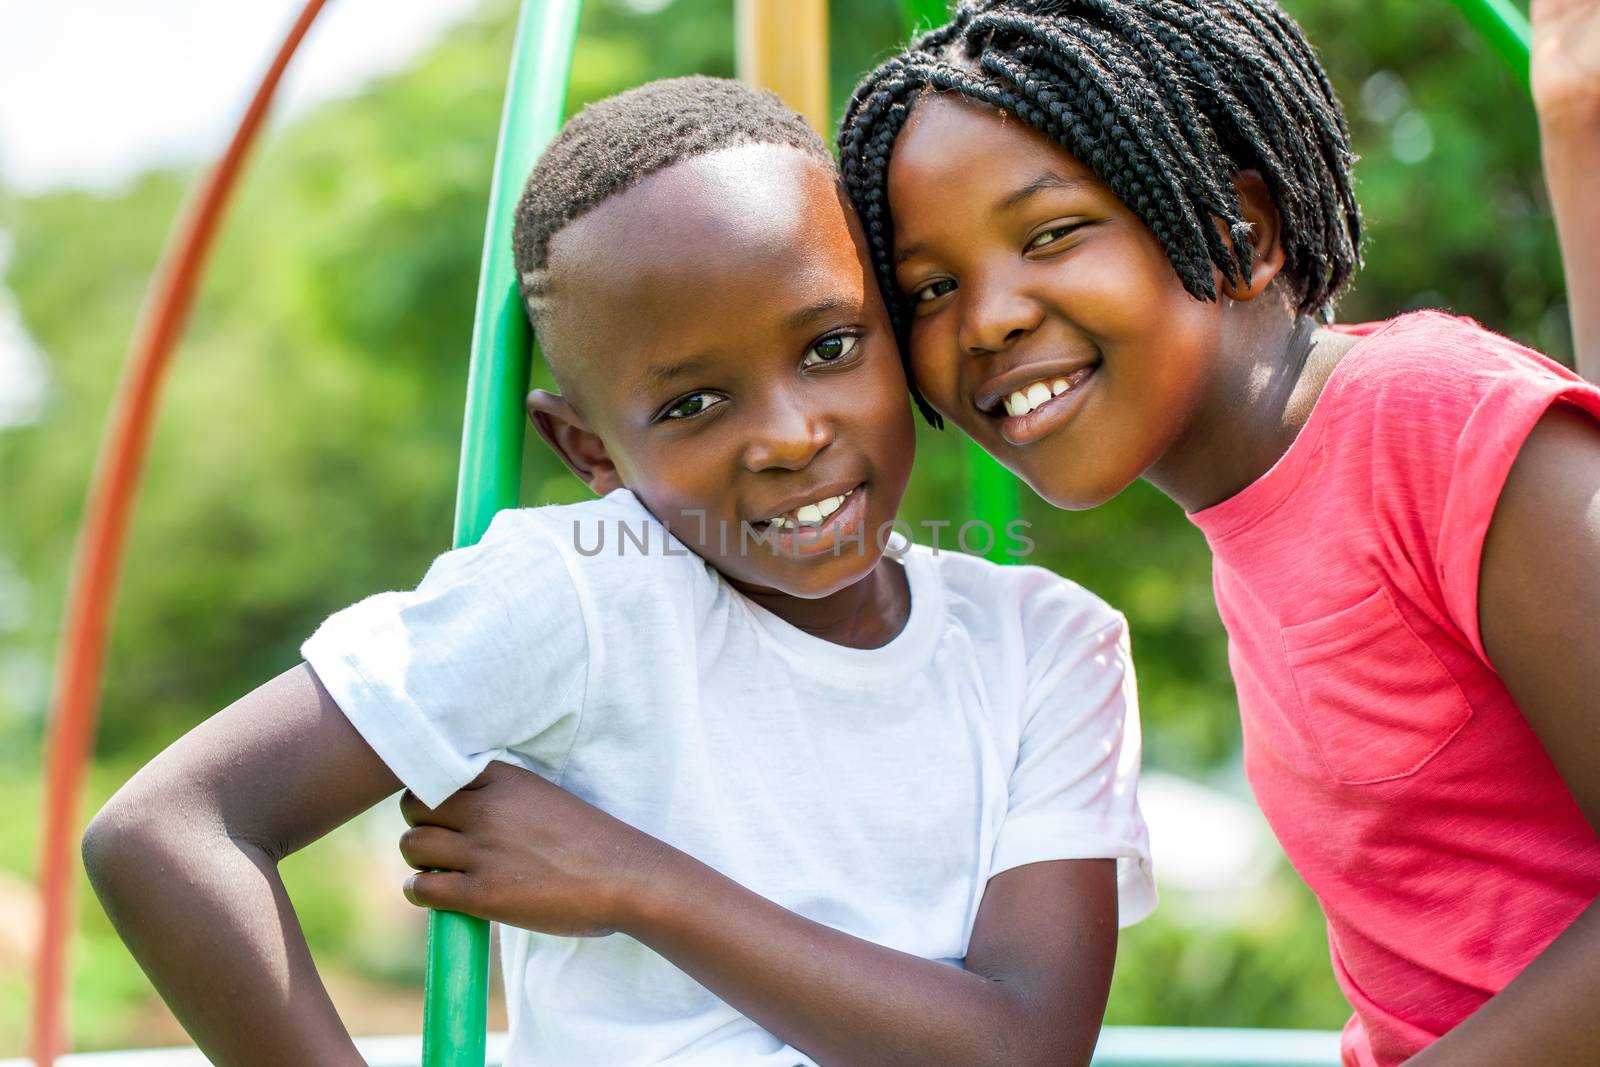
{"points": [[1048, 179]]}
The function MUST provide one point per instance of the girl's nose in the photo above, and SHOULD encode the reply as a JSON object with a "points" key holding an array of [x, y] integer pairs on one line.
{"points": [[994, 318], [788, 438]]}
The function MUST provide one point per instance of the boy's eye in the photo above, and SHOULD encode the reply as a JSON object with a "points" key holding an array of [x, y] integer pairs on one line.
{"points": [[933, 291], [691, 405], [830, 350]]}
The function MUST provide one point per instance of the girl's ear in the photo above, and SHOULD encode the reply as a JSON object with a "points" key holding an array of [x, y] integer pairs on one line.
{"points": [[1266, 236], [579, 447]]}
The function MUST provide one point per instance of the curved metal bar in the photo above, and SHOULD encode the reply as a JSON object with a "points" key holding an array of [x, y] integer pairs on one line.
{"points": [[101, 543]]}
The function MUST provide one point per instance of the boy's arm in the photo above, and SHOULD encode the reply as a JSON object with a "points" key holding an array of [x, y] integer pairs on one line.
{"points": [[522, 851], [1566, 94], [184, 859], [1539, 611], [1032, 992]]}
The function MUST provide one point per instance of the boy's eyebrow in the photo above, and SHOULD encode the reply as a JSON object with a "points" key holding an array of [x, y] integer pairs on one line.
{"points": [[666, 372], [821, 309]]}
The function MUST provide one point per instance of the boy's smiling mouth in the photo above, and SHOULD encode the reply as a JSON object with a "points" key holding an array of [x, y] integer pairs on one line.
{"points": [[804, 525], [1030, 402], [814, 513]]}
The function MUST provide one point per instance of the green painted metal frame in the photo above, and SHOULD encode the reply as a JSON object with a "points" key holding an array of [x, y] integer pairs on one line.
{"points": [[993, 494], [456, 1000], [455, 1004], [1505, 28]]}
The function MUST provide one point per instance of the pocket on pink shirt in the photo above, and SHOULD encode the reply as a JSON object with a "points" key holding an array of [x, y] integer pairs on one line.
{"points": [[1374, 699]]}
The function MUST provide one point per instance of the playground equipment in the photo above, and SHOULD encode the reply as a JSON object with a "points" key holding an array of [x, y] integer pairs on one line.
{"points": [[782, 44]]}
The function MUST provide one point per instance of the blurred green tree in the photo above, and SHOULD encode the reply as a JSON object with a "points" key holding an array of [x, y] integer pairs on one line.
{"points": [[306, 450]]}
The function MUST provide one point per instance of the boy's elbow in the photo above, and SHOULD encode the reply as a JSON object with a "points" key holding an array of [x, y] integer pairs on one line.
{"points": [[108, 846], [1031, 1034], [1055, 1050], [118, 846]]}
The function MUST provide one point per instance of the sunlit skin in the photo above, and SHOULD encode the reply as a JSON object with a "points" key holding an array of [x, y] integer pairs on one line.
{"points": [[1026, 267], [1029, 268], [749, 262], [723, 353]]}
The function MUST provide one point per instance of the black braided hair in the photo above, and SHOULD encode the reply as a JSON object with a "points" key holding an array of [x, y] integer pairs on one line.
{"points": [[614, 144], [1165, 100]]}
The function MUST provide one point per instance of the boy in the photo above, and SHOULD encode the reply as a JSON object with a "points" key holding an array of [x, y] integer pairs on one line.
{"points": [[800, 770]]}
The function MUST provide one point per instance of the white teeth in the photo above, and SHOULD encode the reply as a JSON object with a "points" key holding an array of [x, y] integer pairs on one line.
{"points": [[1025, 400], [811, 514]]}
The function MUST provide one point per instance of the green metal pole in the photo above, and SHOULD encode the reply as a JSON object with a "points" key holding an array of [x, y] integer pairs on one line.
{"points": [[1506, 29], [924, 14], [455, 1004], [992, 490]]}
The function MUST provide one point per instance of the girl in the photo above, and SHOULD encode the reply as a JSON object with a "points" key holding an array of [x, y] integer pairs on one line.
{"points": [[1112, 234]]}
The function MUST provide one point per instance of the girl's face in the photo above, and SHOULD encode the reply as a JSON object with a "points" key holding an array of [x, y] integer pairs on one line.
{"points": [[1048, 322]]}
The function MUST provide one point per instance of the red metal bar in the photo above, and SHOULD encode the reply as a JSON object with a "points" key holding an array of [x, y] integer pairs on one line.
{"points": [[101, 541]]}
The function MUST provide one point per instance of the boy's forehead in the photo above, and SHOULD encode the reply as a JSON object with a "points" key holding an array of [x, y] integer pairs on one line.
{"points": [[719, 202], [731, 241]]}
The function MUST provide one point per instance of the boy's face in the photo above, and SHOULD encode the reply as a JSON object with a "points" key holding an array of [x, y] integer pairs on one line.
{"points": [[1028, 274], [725, 355]]}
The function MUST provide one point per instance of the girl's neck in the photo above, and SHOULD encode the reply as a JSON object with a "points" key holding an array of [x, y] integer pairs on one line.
{"points": [[866, 614], [1272, 369]]}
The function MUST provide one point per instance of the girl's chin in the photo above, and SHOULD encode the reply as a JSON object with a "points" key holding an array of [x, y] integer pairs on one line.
{"points": [[1074, 489]]}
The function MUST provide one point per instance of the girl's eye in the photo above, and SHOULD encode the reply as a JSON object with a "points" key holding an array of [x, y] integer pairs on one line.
{"points": [[1049, 237], [933, 291], [830, 350], [692, 405]]}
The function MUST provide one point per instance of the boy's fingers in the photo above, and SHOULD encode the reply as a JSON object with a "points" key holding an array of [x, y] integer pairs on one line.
{"points": [[440, 890], [412, 808], [417, 813], [426, 847]]}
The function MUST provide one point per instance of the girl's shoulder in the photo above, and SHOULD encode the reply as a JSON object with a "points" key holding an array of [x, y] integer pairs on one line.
{"points": [[1437, 360], [1420, 391], [1423, 418]]}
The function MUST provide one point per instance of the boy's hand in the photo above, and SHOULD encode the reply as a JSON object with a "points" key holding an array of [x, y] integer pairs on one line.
{"points": [[1566, 59], [513, 848]]}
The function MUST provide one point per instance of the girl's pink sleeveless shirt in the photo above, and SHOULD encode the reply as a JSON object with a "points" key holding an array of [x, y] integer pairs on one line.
{"points": [[1404, 784]]}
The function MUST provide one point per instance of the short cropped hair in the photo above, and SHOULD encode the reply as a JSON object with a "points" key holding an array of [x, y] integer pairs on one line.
{"points": [[614, 144]]}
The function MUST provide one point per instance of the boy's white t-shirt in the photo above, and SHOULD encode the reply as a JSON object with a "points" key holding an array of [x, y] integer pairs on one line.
{"points": [[875, 790]]}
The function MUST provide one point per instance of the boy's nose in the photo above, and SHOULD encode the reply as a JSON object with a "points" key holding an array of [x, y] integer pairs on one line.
{"points": [[788, 438], [995, 317]]}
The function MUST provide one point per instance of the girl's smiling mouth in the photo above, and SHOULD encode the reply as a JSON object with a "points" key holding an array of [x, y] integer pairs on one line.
{"points": [[1028, 410]]}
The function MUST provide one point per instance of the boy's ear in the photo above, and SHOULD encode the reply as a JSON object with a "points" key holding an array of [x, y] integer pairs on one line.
{"points": [[1266, 236], [579, 447]]}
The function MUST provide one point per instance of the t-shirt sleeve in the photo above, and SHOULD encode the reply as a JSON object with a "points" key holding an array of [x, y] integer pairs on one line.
{"points": [[488, 653], [1073, 792], [1490, 441], [1453, 405]]}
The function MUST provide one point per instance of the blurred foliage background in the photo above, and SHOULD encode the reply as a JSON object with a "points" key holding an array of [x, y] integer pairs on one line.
{"points": [[306, 454]]}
